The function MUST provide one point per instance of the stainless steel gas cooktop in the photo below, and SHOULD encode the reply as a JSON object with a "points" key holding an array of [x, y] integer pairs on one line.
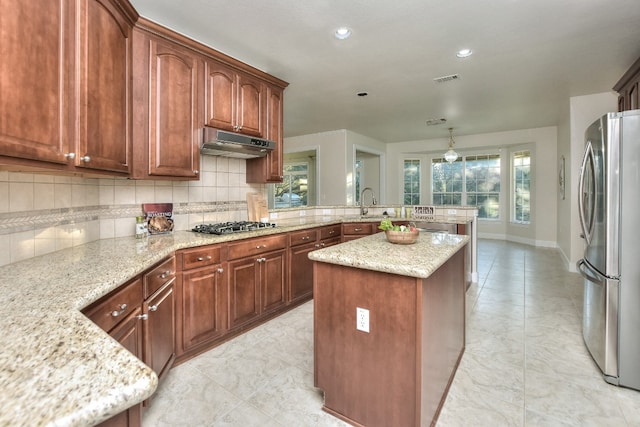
{"points": [[231, 227]]}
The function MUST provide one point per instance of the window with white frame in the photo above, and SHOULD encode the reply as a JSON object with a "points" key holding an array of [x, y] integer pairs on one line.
{"points": [[292, 191], [521, 187], [472, 180], [411, 182]]}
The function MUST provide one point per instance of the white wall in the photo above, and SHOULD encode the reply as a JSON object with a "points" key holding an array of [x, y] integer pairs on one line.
{"points": [[335, 162], [543, 144]]}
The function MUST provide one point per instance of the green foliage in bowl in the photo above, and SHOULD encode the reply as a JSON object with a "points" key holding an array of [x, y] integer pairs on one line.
{"points": [[387, 225]]}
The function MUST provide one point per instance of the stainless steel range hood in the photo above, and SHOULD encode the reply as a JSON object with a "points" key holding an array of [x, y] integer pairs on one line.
{"points": [[220, 143]]}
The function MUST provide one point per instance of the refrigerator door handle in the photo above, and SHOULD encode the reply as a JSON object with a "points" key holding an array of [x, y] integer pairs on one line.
{"points": [[587, 230], [585, 271]]}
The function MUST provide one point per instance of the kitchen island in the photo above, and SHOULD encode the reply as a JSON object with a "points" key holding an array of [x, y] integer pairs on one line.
{"points": [[393, 363]]}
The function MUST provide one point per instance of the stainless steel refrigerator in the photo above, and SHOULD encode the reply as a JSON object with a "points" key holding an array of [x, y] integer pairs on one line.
{"points": [[609, 209]]}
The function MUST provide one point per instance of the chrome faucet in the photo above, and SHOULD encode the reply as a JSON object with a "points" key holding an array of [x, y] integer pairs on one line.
{"points": [[365, 209]]}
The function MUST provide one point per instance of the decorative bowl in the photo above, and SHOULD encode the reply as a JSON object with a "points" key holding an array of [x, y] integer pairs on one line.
{"points": [[402, 237]]}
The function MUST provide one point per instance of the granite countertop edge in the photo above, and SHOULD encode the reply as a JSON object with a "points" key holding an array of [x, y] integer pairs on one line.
{"points": [[59, 368]]}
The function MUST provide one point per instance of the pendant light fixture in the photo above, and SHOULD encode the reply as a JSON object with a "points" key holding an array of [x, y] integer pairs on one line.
{"points": [[451, 155]]}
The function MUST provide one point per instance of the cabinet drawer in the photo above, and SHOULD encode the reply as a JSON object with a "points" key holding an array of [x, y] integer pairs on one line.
{"points": [[200, 257], [257, 246], [357, 228], [159, 275], [330, 232], [304, 236], [108, 312]]}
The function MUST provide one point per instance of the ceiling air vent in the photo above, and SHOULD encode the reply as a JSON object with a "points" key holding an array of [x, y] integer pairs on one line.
{"points": [[445, 79], [433, 122]]}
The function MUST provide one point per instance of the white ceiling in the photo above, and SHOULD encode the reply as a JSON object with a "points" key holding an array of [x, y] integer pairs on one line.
{"points": [[529, 57]]}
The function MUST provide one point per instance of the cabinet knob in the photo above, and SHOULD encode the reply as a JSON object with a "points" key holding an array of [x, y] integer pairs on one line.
{"points": [[70, 156], [143, 316], [220, 270], [196, 172], [122, 309], [85, 159], [153, 308]]}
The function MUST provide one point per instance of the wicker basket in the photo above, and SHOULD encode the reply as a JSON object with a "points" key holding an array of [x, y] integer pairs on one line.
{"points": [[402, 237]]}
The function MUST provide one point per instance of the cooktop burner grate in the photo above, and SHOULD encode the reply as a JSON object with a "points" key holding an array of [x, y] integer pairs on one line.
{"points": [[231, 227]]}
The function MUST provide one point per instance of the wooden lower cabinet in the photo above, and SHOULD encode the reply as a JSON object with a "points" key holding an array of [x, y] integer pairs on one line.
{"points": [[256, 286], [159, 329], [356, 230], [120, 314], [202, 306]]}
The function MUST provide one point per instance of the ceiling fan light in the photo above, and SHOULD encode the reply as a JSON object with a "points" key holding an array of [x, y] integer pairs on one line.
{"points": [[451, 155]]}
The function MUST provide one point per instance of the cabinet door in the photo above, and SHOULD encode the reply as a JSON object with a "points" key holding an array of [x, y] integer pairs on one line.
{"points": [[174, 121], [250, 119], [221, 96], [203, 306], [244, 291], [270, 168], [160, 329], [301, 271], [105, 84], [273, 271], [36, 80], [129, 334]]}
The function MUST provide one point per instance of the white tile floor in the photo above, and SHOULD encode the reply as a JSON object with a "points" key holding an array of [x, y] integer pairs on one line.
{"points": [[525, 363]]}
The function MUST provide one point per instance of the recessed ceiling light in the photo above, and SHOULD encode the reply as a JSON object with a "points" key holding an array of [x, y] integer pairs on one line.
{"points": [[342, 33], [464, 53]]}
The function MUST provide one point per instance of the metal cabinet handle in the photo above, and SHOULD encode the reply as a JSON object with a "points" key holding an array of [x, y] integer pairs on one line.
{"points": [[153, 308], [143, 316], [317, 245], [220, 270], [70, 156], [196, 172], [332, 232], [165, 274], [261, 246], [261, 259], [206, 258], [357, 229], [85, 159], [116, 313], [306, 237]]}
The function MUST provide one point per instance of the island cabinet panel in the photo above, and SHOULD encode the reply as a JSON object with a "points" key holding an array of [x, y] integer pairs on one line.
{"points": [[399, 372], [169, 96]]}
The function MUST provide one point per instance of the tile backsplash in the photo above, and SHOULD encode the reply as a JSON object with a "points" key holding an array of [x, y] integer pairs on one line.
{"points": [[42, 213]]}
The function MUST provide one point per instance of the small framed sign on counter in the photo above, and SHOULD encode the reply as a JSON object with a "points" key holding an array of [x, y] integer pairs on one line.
{"points": [[159, 217]]}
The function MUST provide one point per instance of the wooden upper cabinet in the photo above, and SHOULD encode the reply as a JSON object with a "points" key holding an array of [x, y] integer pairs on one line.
{"points": [[65, 84], [234, 100], [168, 117], [270, 168], [105, 86], [627, 88], [36, 79]]}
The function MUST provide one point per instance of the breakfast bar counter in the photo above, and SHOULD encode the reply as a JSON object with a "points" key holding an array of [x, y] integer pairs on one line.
{"points": [[389, 327]]}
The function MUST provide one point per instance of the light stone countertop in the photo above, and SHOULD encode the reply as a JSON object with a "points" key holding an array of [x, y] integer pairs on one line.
{"points": [[374, 252], [58, 368]]}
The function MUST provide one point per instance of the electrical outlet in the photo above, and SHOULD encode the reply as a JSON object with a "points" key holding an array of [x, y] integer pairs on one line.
{"points": [[362, 319]]}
